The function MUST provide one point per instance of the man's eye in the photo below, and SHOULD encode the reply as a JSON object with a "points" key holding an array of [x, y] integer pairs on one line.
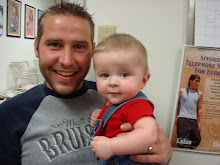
{"points": [[105, 75], [124, 74], [55, 45], [80, 48]]}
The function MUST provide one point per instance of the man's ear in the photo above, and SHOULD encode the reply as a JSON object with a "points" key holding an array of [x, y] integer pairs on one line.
{"points": [[93, 47], [145, 79], [36, 48]]}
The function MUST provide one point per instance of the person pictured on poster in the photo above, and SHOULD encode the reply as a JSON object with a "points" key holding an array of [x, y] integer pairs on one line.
{"points": [[189, 114], [30, 23], [14, 19]]}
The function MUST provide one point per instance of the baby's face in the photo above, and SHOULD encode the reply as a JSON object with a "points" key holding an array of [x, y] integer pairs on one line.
{"points": [[120, 75]]}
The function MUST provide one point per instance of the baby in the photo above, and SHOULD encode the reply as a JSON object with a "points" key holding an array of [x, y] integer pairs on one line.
{"points": [[121, 71]]}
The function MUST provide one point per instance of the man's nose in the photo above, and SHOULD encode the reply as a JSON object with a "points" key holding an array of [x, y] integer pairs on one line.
{"points": [[67, 58]]}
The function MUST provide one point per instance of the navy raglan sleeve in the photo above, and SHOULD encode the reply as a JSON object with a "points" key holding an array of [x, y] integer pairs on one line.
{"points": [[15, 115]]}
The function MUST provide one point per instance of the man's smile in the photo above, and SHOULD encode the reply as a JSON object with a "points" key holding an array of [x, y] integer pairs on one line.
{"points": [[62, 73]]}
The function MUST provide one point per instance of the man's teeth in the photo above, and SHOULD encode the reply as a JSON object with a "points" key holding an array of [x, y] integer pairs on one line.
{"points": [[65, 73]]}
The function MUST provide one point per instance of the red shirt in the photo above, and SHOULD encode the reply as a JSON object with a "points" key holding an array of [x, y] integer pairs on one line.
{"points": [[129, 112]]}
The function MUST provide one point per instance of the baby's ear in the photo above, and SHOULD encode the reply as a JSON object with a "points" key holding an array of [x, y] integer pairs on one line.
{"points": [[145, 79]]}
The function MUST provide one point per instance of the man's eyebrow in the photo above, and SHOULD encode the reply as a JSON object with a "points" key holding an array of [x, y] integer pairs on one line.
{"points": [[58, 40], [82, 42], [52, 40]]}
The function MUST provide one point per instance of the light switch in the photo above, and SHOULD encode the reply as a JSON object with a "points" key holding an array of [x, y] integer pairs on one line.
{"points": [[105, 31]]}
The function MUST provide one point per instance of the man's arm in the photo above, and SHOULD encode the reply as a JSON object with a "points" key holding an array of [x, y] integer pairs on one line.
{"points": [[161, 150]]}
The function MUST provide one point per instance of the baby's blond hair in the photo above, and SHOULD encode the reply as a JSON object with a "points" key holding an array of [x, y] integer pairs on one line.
{"points": [[122, 41]]}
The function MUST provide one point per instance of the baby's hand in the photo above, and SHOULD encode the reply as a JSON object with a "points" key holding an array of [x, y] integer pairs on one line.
{"points": [[102, 147], [94, 116]]}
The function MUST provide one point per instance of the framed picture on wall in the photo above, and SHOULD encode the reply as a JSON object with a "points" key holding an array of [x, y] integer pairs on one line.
{"points": [[14, 18], [29, 23], [196, 119], [39, 13], [1, 20]]}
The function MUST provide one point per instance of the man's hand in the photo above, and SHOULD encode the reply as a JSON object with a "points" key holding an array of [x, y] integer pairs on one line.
{"points": [[161, 150]]}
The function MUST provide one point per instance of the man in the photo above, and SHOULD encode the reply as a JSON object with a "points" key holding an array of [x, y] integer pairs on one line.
{"points": [[49, 124], [189, 114]]}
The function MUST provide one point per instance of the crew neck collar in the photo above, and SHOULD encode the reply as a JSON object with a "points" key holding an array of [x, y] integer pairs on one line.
{"points": [[69, 96], [191, 90]]}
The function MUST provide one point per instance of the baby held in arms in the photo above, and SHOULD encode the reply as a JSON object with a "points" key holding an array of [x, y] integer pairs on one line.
{"points": [[121, 71]]}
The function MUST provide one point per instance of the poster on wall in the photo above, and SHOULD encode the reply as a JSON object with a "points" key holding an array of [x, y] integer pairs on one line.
{"points": [[14, 18], [29, 27], [196, 123], [1, 20]]}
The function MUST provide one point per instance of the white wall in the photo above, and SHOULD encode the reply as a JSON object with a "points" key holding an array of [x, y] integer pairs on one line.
{"points": [[161, 26], [17, 49]]}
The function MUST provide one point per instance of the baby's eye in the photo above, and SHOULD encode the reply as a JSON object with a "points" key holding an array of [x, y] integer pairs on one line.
{"points": [[124, 74], [105, 75]]}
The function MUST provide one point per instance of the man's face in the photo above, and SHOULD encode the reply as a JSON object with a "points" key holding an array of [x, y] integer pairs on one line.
{"points": [[64, 52]]}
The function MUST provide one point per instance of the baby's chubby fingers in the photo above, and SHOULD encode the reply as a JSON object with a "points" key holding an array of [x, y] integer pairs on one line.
{"points": [[94, 141], [101, 147], [94, 116], [92, 122]]}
